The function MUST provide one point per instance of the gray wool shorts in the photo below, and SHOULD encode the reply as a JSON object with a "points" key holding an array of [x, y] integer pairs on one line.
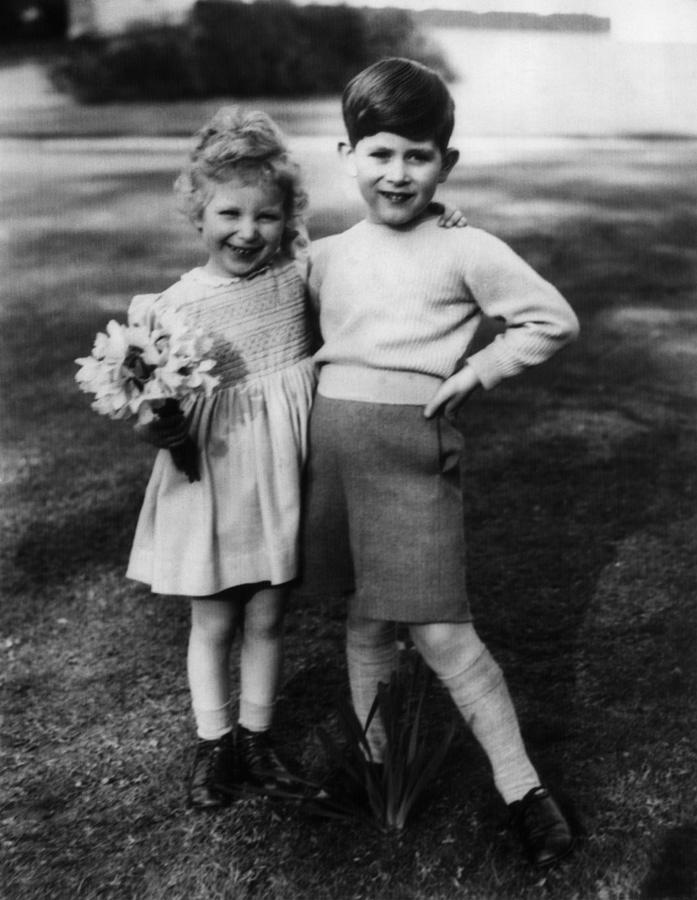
{"points": [[383, 514]]}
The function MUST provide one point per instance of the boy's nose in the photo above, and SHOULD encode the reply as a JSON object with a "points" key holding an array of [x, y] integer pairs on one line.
{"points": [[397, 172]]}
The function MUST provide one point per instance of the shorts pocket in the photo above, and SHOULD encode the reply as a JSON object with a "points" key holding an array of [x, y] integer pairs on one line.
{"points": [[450, 445]]}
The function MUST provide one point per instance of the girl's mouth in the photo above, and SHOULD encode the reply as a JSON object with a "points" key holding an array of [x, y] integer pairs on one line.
{"points": [[244, 252]]}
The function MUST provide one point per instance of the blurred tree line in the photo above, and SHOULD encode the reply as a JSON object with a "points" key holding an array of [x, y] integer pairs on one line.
{"points": [[227, 47]]}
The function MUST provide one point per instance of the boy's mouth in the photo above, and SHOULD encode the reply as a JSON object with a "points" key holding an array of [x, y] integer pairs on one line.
{"points": [[396, 197]]}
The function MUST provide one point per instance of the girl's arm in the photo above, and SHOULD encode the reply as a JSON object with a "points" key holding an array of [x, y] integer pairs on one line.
{"points": [[448, 216]]}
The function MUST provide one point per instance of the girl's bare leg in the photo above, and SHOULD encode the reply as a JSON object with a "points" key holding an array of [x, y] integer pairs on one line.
{"points": [[214, 773], [213, 625], [260, 675], [261, 657]]}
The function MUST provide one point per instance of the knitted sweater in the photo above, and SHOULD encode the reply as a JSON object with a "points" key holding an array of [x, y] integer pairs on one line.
{"points": [[399, 307]]}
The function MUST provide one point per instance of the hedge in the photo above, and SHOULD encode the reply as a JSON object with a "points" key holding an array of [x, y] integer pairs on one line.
{"points": [[244, 50]]}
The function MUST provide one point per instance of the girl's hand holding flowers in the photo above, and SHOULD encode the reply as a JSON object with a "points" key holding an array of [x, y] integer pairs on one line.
{"points": [[164, 431], [136, 372]]}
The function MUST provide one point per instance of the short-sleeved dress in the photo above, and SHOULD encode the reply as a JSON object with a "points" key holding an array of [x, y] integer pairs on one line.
{"points": [[240, 523]]}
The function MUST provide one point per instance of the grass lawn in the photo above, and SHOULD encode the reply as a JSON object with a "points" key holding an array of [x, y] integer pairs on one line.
{"points": [[582, 513]]}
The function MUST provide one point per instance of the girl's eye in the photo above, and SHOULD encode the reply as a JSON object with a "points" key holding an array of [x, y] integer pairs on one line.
{"points": [[380, 154], [269, 217]]}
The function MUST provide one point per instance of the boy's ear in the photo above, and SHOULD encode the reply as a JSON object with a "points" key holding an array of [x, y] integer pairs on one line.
{"points": [[346, 153], [450, 158]]}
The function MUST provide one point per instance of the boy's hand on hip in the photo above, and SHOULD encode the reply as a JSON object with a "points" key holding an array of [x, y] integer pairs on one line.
{"points": [[452, 393]]}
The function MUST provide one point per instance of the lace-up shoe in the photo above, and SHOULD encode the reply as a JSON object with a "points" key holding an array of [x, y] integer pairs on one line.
{"points": [[213, 777], [541, 827], [259, 763]]}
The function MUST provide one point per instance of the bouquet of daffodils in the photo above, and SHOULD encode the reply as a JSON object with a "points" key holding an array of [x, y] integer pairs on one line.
{"points": [[136, 372]]}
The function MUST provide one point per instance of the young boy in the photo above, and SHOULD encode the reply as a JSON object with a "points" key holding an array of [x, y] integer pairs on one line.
{"points": [[399, 301]]}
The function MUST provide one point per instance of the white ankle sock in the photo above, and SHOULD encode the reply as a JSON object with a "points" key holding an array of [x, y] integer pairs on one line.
{"points": [[255, 716], [212, 724]]}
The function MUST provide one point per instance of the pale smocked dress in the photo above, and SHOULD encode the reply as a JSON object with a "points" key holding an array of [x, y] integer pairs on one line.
{"points": [[239, 524]]}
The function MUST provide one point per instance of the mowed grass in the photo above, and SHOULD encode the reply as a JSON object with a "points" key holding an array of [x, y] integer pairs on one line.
{"points": [[580, 480]]}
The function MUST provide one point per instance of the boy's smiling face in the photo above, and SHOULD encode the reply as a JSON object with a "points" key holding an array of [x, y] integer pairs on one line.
{"points": [[397, 176]]}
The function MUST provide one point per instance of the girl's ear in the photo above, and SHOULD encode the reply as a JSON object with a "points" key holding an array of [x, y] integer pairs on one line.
{"points": [[450, 158], [346, 154]]}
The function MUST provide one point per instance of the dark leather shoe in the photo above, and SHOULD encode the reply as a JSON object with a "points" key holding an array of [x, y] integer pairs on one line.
{"points": [[213, 777], [541, 827], [259, 763]]}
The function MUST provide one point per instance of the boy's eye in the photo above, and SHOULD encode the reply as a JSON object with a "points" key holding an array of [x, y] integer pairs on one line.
{"points": [[269, 217], [380, 154], [420, 156]]}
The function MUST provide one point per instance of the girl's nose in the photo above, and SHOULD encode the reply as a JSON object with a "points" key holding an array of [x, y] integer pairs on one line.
{"points": [[247, 228]]}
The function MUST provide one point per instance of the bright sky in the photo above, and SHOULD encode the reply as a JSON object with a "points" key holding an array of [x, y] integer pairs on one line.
{"points": [[632, 20]]}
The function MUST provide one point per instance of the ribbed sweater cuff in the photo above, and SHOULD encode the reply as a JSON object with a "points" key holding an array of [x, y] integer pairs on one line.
{"points": [[486, 368]]}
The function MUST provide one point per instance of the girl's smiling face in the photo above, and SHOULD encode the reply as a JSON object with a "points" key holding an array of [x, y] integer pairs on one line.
{"points": [[242, 226], [397, 176]]}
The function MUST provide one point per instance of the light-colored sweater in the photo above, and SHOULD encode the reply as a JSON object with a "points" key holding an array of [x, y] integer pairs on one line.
{"points": [[399, 308]]}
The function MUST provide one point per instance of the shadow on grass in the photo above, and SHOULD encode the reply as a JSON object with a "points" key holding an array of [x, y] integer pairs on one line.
{"points": [[53, 550], [544, 523], [673, 875]]}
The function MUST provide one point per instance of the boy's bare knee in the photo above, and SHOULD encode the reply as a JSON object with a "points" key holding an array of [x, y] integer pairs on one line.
{"points": [[447, 645]]}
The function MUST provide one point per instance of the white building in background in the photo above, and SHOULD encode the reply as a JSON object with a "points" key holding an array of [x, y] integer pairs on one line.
{"points": [[109, 17]]}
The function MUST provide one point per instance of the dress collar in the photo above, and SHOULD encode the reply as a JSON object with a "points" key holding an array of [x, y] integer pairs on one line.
{"points": [[199, 274]]}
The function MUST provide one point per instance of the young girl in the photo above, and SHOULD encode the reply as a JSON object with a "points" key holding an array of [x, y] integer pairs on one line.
{"points": [[228, 541]]}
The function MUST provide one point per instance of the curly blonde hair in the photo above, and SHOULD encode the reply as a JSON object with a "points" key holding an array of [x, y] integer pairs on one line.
{"points": [[243, 144]]}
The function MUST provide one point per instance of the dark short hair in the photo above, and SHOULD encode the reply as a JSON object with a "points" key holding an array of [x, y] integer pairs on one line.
{"points": [[401, 96]]}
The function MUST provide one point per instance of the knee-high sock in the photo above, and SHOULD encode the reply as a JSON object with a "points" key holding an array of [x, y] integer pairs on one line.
{"points": [[371, 655], [477, 686]]}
